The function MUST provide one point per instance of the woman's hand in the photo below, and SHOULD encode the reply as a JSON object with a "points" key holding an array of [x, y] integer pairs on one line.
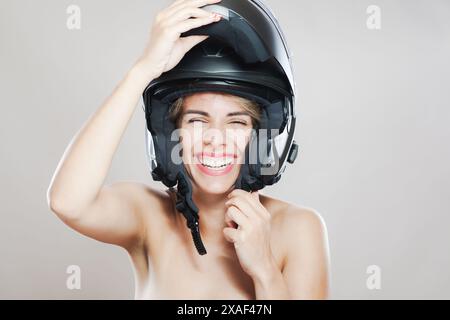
{"points": [[166, 48], [252, 237]]}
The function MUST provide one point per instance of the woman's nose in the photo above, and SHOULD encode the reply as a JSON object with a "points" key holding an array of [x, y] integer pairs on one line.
{"points": [[214, 136]]}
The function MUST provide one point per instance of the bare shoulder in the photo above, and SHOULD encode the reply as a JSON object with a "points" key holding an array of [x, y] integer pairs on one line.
{"points": [[150, 202], [293, 215], [304, 242], [297, 223], [137, 190]]}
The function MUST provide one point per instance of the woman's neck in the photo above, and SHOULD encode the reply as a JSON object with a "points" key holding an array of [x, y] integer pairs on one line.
{"points": [[212, 210]]}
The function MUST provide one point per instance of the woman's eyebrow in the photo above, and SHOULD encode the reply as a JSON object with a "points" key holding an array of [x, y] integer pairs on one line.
{"points": [[240, 113], [206, 114], [203, 113]]}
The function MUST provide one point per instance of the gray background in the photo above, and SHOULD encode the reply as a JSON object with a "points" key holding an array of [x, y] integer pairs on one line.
{"points": [[373, 129]]}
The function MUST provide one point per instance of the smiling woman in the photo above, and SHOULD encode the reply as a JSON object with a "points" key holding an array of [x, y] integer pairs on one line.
{"points": [[259, 247]]}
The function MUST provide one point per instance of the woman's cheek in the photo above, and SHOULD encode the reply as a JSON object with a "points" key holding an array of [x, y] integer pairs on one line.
{"points": [[186, 146], [240, 139]]}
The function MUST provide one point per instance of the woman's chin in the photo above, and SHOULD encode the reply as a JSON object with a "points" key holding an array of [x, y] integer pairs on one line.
{"points": [[213, 188], [217, 184], [214, 185]]}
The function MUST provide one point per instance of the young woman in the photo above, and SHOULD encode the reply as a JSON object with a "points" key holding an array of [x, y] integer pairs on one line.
{"points": [[259, 247]]}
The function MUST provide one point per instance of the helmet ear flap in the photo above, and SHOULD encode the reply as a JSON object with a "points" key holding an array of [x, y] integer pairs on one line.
{"points": [[249, 178], [262, 159]]}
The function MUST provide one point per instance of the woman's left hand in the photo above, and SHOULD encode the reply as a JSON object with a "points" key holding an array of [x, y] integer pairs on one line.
{"points": [[252, 236]]}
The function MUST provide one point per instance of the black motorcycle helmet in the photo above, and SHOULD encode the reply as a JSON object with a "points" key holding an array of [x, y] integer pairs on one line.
{"points": [[246, 55]]}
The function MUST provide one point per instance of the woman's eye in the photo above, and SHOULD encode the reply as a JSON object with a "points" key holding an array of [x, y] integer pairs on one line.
{"points": [[240, 122], [195, 120]]}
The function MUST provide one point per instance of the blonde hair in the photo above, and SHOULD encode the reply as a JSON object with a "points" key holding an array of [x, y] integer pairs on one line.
{"points": [[250, 106]]}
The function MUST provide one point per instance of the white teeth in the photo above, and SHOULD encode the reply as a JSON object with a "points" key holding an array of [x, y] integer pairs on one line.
{"points": [[216, 162]]}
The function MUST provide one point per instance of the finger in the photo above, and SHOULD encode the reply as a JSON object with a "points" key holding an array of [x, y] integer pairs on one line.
{"points": [[229, 222], [256, 202], [194, 23], [167, 12], [188, 3], [200, 3], [236, 192], [231, 235], [243, 206], [237, 216], [187, 13], [253, 200], [259, 206]]}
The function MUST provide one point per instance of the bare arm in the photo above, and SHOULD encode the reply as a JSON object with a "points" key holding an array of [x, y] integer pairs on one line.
{"points": [[76, 193]]}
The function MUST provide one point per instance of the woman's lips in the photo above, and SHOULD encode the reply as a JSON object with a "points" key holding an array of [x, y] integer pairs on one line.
{"points": [[215, 172], [216, 155]]}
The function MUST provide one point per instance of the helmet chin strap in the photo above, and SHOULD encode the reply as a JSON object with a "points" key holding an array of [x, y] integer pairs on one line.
{"points": [[187, 207]]}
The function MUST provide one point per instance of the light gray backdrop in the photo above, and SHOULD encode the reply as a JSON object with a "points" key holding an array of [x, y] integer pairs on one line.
{"points": [[373, 130]]}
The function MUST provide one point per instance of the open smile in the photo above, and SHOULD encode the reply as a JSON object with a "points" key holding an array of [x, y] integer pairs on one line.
{"points": [[215, 164]]}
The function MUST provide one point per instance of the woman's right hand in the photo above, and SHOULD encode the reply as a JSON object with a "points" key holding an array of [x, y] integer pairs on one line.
{"points": [[166, 48]]}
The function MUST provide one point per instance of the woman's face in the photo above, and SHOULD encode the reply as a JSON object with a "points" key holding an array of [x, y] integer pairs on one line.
{"points": [[215, 130]]}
